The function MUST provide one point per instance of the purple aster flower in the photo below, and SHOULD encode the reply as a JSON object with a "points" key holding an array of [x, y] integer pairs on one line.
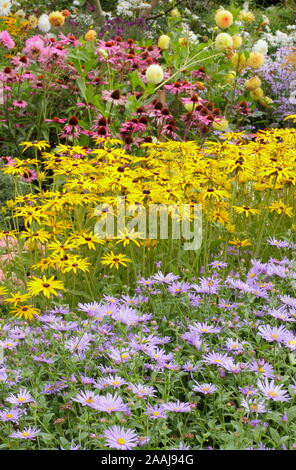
{"points": [[218, 264], [87, 399], [272, 391], [262, 368], [27, 433], [115, 381], [178, 288], [126, 315], [290, 341], [43, 359], [119, 356], [206, 389], [11, 415], [177, 406], [181, 447], [189, 367], [248, 390], [215, 358], [155, 412], [253, 405], [165, 278], [194, 300], [202, 328], [119, 438], [8, 344], [21, 398], [142, 391], [111, 403], [227, 305], [234, 346], [273, 333], [288, 300], [278, 243], [210, 285], [87, 380], [143, 440], [56, 387], [107, 370]]}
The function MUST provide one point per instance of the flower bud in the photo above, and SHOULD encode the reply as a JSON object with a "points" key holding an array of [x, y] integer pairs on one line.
{"points": [[257, 94], [223, 18], [237, 41], [221, 124], [238, 60], [90, 35], [56, 18], [223, 41], [255, 60], [183, 42], [230, 76], [154, 74], [175, 13], [163, 41], [253, 83]]}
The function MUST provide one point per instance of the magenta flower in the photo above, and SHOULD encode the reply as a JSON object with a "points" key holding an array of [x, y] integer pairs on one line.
{"points": [[6, 40], [119, 438], [19, 103]]}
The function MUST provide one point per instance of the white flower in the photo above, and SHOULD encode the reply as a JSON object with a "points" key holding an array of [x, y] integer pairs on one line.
{"points": [[154, 74], [261, 46], [5, 7], [44, 24]]}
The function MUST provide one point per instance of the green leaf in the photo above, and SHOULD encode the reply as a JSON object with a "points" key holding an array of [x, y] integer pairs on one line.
{"points": [[275, 435]]}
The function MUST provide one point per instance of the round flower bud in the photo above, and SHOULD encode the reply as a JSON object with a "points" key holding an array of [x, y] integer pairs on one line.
{"points": [[43, 23], [266, 101], [189, 106], [183, 42], [90, 35], [154, 74], [33, 21], [66, 13], [56, 18], [238, 60], [20, 14], [163, 41], [257, 94], [223, 18], [255, 60], [223, 41], [253, 83], [237, 41], [246, 16], [175, 13], [230, 76], [220, 124]]}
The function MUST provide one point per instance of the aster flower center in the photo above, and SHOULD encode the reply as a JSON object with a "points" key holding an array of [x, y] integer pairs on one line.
{"points": [[121, 441]]}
